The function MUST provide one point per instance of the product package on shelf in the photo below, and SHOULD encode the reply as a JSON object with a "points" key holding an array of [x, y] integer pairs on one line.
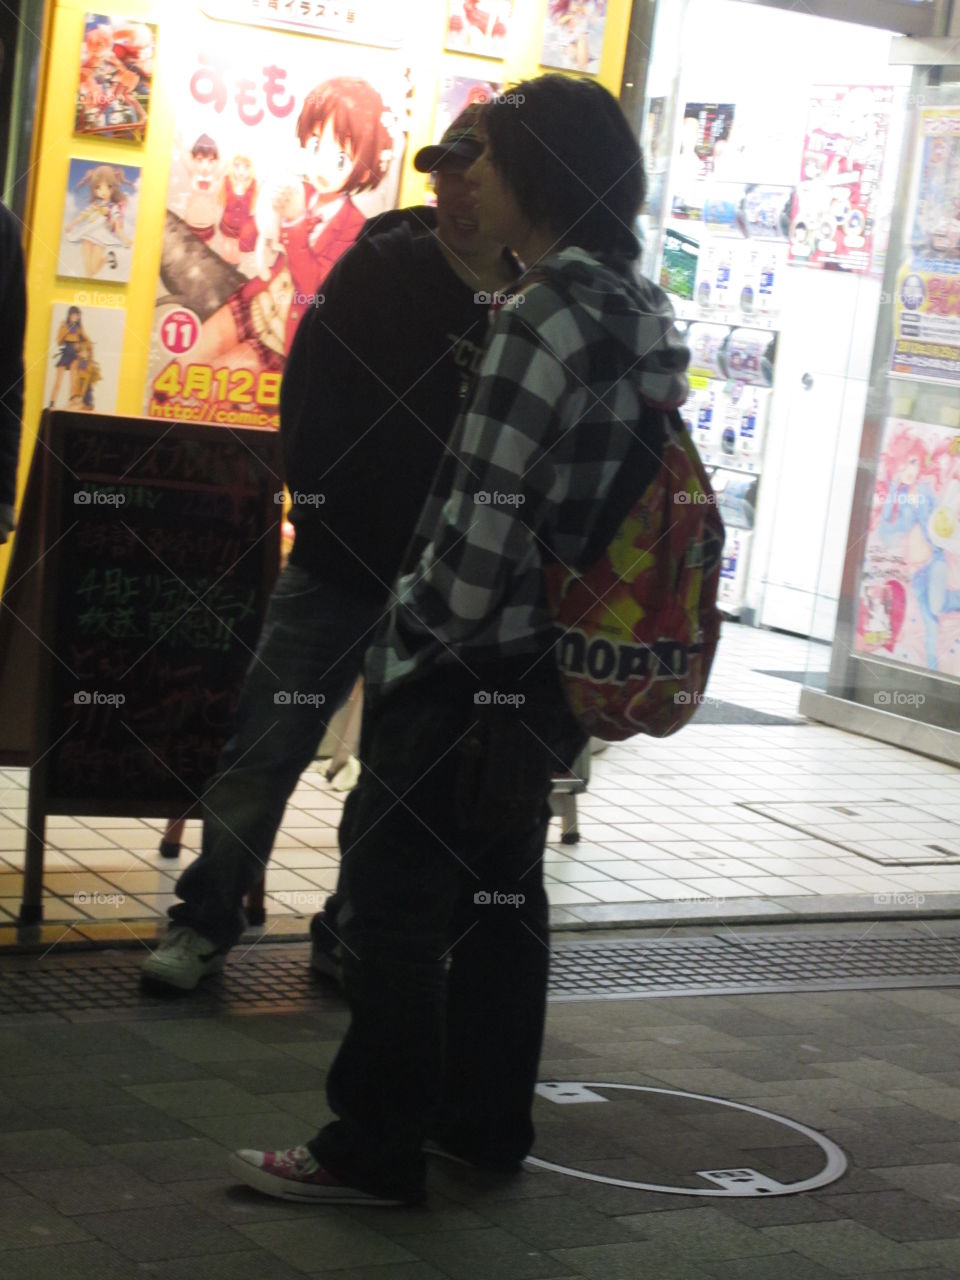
{"points": [[733, 569]]}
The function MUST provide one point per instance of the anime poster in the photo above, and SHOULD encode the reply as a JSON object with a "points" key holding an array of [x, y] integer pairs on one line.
{"points": [[116, 76], [99, 217], [908, 605], [478, 26], [454, 94], [705, 140], [283, 148], [573, 35], [926, 325], [83, 370], [835, 206]]}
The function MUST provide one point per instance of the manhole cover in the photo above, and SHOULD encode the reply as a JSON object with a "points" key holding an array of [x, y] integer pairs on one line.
{"points": [[887, 832]]}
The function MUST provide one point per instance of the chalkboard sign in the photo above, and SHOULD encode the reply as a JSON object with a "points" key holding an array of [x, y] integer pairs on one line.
{"points": [[163, 550], [157, 553]]}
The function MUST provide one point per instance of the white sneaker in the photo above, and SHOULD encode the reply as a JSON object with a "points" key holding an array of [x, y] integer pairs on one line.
{"points": [[181, 959]]}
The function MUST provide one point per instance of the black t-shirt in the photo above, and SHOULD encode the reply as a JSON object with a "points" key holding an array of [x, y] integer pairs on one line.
{"points": [[376, 378]]}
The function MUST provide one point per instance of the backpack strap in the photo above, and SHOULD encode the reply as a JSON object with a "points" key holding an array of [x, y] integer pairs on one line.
{"points": [[636, 471]]}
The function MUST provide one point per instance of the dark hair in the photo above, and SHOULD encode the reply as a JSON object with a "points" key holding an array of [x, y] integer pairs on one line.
{"points": [[71, 310], [565, 149], [205, 148], [358, 123]]}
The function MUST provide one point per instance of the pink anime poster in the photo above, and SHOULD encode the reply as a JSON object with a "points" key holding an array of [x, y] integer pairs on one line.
{"points": [[283, 148], [455, 94], [116, 78], [833, 220], [478, 26], [908, 606], [573, 35]]}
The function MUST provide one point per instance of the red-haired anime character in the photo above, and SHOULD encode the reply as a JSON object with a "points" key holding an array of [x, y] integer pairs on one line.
{"points": [[346, 149]]}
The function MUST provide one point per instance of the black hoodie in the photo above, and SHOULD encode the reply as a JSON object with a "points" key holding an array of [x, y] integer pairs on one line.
{"points": [[376, 377]]}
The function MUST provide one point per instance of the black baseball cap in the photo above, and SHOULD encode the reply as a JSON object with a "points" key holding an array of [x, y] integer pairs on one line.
{"points": [[459, 142]]}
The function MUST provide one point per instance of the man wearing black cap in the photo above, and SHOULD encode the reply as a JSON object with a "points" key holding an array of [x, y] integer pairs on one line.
{"points": [[379, 369]]}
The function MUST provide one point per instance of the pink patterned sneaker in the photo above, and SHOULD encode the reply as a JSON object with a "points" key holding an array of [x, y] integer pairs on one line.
{"points": [[297, 1175]]}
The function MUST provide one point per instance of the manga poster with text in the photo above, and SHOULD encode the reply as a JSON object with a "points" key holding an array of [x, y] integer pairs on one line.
{"points": [[283, 148], [908, 606], [926, 321], [116, 78], [833, 222]]}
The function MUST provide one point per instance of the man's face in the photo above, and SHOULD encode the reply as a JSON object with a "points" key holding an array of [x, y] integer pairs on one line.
{"points": [[497, 214], [456, 210]]}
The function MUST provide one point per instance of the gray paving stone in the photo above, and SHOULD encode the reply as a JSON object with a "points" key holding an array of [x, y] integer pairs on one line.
{"points": [[145, 1066], [135, 1122], [779, 1266], [203, 1040], [264, 1130], [628, 1262], [162, 1233], [779, 1211], [93, 1189], [701, 1233], [895, 1214], [75, 1261], [323, 1238], [558, 1222], [26, 1221], [256, 1264], [266, 1075], [57, 1091], [844, 1247], [177, 1160], [397, 1271], [188, 1098], [44, 1149], [934, 1182], [941, 1253]]}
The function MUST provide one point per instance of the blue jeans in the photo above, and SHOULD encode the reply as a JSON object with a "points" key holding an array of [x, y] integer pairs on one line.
{"points": [[308, 658]]}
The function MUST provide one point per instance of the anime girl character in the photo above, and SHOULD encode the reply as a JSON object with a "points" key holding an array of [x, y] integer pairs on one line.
{"points": [[570, 17], [908, 516], [202, 210], [71, 338], [84, 374], [307, 221], [99, 227], [106, 94], [238, 226]]}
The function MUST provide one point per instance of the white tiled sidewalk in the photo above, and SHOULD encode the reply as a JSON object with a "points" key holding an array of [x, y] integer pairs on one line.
{"points": [[663, 835]]}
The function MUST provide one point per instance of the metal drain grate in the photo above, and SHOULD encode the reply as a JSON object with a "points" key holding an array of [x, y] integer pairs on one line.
{"points": [[275, 978], [731, 964]]}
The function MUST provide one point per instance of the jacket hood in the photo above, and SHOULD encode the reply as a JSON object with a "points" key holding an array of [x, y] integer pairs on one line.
{"points": [[633, 311]]}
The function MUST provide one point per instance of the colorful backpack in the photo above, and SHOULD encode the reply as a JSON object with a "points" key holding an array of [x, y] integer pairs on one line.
{"points": [[637, 629]]}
